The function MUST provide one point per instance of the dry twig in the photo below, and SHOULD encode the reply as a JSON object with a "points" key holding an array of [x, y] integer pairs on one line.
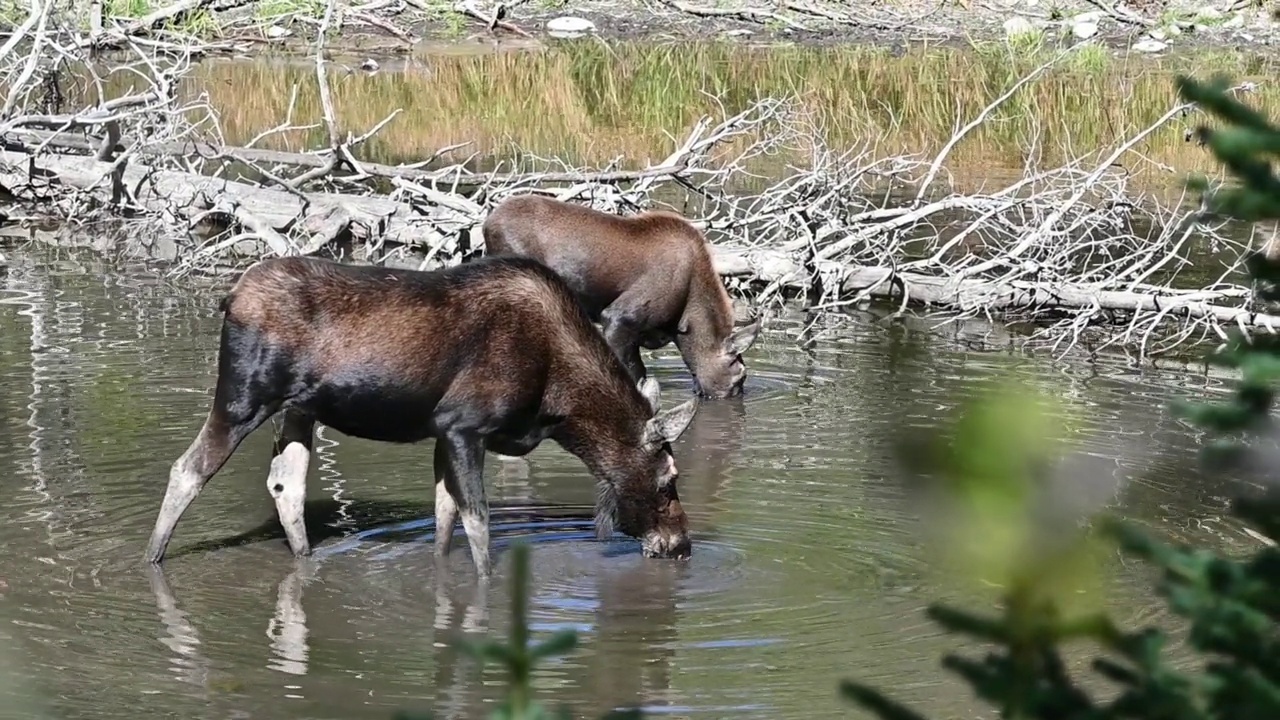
{"points": [[1059, 245]]}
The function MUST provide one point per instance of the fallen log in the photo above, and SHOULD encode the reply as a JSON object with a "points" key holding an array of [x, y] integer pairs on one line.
{"points": [[969, 294], [190, 197]]}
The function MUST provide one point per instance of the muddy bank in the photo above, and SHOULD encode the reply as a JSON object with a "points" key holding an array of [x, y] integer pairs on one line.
{"points": [[1177, 27]]}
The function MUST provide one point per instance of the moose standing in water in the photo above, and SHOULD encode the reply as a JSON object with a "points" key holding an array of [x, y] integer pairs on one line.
{"points": [[647, 278], [493, 355]]}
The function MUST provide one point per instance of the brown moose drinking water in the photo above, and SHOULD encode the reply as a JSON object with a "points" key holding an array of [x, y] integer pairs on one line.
{"points": [[495, 355], [648, 279]]}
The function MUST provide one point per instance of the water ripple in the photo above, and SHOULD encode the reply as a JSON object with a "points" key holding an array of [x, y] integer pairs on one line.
{"points": [[810, 560]]}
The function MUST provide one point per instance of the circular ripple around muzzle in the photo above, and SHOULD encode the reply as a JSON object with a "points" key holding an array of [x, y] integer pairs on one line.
{"points": [[571, 568], [764, 381], [562, 536]]}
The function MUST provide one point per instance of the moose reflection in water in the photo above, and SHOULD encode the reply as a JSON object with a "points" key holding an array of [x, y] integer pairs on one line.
{"points": [[302, 623], [648, 279], [495, 355]]}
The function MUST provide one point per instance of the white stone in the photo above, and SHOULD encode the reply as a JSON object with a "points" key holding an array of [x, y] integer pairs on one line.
{"points": [[275, 31], [1173, 30], [1236, 21], [1150, 46], [1018, 26], [1158, 34], [1084, 30], [1093, 16], [569, 26]]}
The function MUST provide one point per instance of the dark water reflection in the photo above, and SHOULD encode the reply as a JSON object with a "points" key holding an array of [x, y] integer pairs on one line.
{"points": [[810, 563]]}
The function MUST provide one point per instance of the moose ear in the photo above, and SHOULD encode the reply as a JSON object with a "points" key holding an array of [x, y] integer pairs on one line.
{"points": [[649, 389], [743, 338], [670, 424]]}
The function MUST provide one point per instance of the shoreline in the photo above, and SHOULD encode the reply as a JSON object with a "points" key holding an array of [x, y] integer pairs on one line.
{"points": [[422, 26]]}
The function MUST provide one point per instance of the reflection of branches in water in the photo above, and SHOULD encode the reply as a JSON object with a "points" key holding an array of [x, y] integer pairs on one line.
{"points": [[327, 467], [50, 407]]}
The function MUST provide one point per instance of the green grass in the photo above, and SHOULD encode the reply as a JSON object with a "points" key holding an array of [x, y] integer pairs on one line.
{"points": [[274, 10], [588, 103]]}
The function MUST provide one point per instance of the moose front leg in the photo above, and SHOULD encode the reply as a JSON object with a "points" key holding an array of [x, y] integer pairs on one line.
{"points": [[464, 480], [446, 508], [287, 480]]}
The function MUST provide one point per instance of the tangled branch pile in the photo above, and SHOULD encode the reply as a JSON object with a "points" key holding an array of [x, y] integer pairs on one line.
{"points": [[1061, 244]]}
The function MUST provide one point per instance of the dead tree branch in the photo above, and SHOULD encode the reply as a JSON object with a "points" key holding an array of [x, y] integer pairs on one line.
{"points": [[1060, 245]]}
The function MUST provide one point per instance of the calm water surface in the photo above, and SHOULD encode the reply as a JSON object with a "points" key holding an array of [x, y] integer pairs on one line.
{"points": [[810, 561]]}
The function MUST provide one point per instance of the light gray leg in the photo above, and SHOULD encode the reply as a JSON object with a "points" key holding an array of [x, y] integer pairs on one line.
{"points": [[446, 507], [465, 481], [185, 483], [287, 481], [189, 474]]}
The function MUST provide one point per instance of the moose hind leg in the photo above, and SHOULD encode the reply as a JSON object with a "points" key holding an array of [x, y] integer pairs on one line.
{"points": [[287, 481], [206, 455], [252, 377], [464, 479]]}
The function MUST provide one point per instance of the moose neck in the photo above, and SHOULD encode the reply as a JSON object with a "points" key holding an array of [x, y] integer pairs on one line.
{"points": [[603, 431], [709, 316], [606, 445]]}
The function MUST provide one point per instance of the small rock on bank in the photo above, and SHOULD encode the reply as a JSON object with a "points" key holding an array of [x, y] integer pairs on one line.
{"points": [[1084, 30], [569, 27]]}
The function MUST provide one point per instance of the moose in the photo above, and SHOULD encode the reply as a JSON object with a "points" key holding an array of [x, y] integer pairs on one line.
{"points": [[494, 354], [648, 279]]}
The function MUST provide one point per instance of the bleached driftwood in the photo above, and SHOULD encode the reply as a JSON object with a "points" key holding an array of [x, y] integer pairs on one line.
{"points": [[1058, 245], [187, 196], [961, 294]]}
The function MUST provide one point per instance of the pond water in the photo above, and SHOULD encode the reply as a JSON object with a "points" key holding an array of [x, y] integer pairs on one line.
{"points": [[810, 561]]}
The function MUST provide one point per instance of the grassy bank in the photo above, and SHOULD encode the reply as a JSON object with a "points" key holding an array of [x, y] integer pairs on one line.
{"points": [[591, 104]]}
